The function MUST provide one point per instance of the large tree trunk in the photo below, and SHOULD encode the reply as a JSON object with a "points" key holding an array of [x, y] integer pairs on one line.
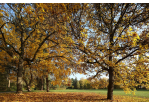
{"points": [[19, 76], [47, 84], [20, 67], [111, 84]]}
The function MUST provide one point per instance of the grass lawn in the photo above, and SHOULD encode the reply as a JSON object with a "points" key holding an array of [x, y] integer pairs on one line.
{"points": [[139, 93]]}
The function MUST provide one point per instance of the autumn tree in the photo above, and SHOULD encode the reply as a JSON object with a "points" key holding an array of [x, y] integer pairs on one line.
{"points": [[107, 38], [141, 68], [27, 30], [101, 83], [85, 84]]}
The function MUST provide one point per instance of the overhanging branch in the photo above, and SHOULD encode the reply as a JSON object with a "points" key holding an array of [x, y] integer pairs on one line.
{"points": [[126, 56]]}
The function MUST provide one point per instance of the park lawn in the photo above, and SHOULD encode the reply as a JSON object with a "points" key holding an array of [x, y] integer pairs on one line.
{"points": [[138, 93]]}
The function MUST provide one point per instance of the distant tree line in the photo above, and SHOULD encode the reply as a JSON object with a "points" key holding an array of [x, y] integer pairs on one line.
{"points": [[87, 84]]}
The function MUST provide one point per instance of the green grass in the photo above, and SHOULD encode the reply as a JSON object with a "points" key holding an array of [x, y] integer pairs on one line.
{"points": [[139, 93]]}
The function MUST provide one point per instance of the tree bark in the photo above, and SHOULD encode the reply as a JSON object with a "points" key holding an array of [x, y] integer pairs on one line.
{"points": [[20, 66], [111, 84], [19, 76], [47, 84]]}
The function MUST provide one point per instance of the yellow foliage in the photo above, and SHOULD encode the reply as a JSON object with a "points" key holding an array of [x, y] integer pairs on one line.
{"points": [[1, 14]]}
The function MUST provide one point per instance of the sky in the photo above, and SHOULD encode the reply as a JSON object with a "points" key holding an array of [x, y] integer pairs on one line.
{"points": [[79, 76]]}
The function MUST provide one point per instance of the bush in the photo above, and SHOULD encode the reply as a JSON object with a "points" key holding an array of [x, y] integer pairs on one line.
{"points": [[117, 87], [69, 88], [13, 87], [60, 88]]}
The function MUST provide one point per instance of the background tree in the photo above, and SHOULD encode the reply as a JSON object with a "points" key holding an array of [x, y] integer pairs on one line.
{"points": [[81, 83], [78, 85], [40, 83], [103, 83], [72, 83], [4, 81], [75, 83]]}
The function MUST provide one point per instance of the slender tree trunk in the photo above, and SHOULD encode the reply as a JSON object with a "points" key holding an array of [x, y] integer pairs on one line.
{"points": [[19, 76], [8, 86], [28, 88], [111, 84], [42, 83], [27, 85], [9, 83], [47, 84]]}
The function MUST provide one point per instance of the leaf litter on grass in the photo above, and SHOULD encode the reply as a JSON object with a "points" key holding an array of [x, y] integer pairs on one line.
{"points": [[66, 97]]}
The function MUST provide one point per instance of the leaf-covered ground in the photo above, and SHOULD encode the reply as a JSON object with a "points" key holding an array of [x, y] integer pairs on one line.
{"points": [[65, 97]]}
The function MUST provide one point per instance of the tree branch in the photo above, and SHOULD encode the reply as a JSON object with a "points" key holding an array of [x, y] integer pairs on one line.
{"points": [[30, 33], [41, 45], [97, 74], [121, 17], [126, 56], [8, 52]]}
